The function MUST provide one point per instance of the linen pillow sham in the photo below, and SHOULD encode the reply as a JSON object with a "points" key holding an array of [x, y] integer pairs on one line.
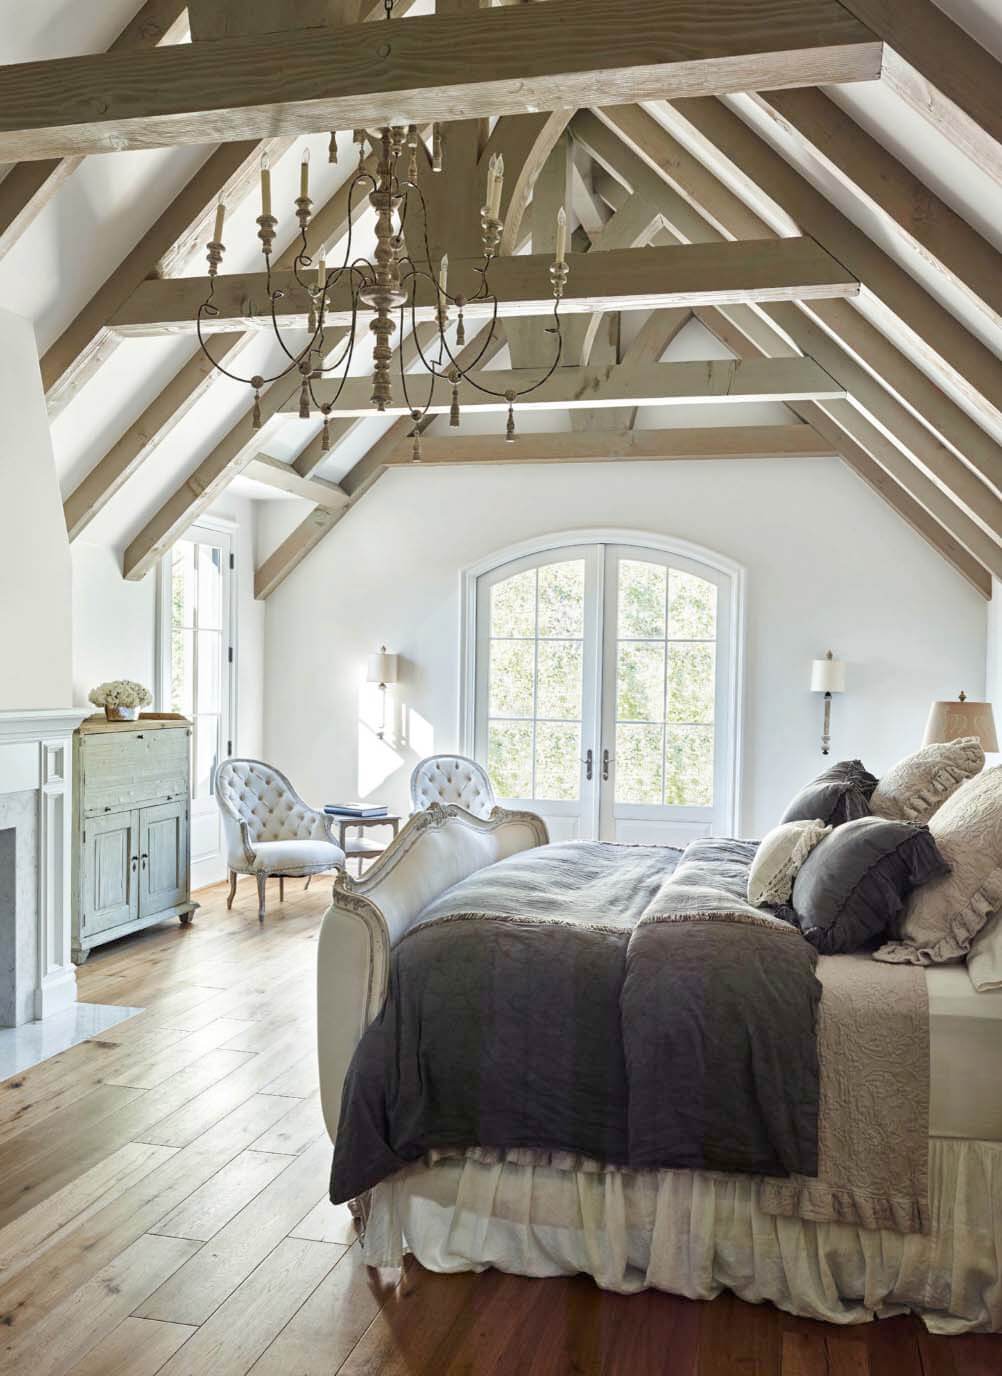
{"points": [[780, 855], [853, 885], [984, 960], [920, 784], [942, 920], [838, 795]]}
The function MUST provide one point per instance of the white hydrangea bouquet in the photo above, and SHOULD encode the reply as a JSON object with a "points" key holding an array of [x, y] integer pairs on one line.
{"points": [[121, 698]]}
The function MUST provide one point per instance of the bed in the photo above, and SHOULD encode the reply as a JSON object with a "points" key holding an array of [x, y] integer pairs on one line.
{"points": [[689, 1231]]}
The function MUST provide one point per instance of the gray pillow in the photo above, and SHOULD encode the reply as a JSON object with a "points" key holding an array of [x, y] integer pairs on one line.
{"points": [[838, 795], [852, 886]]}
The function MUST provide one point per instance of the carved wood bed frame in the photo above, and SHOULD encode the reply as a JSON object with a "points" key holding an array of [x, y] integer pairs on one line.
{"points": [[368, 916]]}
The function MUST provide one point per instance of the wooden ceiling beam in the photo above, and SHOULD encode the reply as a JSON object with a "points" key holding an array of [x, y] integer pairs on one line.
{"points": [[356, 483], [187, 386], [28, 187], [873, 174], [910, 393], [624, 445], [941, 71], [204, 484], [932, 332], [625, 279], [871, 454], [228, 174], [661, 384], [566, 53], [274, 473]]}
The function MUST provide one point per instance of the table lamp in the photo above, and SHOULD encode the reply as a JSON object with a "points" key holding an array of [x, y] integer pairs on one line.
{"points": [[953, 719]]}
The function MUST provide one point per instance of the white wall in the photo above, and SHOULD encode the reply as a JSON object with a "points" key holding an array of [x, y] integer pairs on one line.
{"points": [[828, 565], [35, 627], [115, 621]]}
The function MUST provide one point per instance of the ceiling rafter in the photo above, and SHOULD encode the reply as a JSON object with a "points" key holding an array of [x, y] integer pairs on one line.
{"points": [[439, 67], [188, 385], [227, 175], [747, 335], [942, 73], [29, 186], [919, 437], [356, 483], [777, 331], [874, 175], [932, 331]]}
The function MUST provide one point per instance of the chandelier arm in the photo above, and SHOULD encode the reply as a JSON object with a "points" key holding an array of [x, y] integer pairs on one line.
{"points": [[341, 385], [464, 370], [205, 310], [349, 346], [303, 353]]}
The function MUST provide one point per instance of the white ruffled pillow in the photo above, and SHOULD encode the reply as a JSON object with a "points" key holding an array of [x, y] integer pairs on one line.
{"points": [[944, 916], [918, 786], [780, 855]]}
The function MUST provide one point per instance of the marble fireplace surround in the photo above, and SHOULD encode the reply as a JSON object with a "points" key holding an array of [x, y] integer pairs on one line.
{"points": [[37, 977]]}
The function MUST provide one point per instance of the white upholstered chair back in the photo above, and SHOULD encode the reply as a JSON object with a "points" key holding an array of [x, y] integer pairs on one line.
{"points": [[257, 797], [452, 779]]}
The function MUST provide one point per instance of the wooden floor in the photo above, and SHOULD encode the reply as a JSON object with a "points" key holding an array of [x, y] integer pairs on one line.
{"points": [[163, 1209]]}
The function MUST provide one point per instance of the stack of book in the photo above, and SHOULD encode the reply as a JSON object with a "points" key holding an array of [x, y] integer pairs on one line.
{"points": [[356, 809]]}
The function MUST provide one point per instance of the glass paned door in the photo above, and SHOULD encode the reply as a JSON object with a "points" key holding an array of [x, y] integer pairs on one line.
{"points": [[605, 692], [661, 688], [536, 686], [197, 675]]}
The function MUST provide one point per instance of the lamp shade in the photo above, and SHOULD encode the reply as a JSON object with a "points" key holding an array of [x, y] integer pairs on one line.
{"points": [[382, 667], [950, 721], [828, 675]]}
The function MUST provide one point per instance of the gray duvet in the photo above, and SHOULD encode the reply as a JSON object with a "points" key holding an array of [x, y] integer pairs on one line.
{"points": [[620, 1002]]}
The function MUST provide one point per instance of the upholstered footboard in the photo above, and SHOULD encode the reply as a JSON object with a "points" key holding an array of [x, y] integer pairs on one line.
{"points": [[436, 849]]}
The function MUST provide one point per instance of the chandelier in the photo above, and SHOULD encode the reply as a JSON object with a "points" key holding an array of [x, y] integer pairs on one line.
{"points": [[385, 288]]}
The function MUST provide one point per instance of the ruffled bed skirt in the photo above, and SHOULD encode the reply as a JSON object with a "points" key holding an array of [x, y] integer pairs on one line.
{"points": [[696, 1234]]}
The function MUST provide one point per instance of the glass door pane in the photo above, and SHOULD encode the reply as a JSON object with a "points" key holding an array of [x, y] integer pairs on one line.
{"points": [[535, 650]]}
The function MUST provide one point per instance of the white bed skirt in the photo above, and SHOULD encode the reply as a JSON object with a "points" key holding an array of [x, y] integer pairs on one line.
{"points": [[695, 1234]]}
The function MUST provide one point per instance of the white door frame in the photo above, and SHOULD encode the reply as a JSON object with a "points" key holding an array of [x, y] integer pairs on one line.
{"points": [[733, 697], [205, 870]]}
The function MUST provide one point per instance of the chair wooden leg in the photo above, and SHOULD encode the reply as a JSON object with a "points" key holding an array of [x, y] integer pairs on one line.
{"points": [[281, 888], [261, 881], [233, 889], [307, 884]]}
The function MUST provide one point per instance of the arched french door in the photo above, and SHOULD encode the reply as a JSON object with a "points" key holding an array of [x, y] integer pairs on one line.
{"points": [[603, 685]]}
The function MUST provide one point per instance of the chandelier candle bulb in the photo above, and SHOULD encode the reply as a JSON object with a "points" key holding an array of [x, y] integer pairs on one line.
{"points": [[561, 250], [217, 233], [265, 186], [443, 285], [304, 176], [322, 267]]}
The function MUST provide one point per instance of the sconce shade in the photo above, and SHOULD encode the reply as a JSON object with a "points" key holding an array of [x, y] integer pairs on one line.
{"points": [[952, 720], [828, 676], [382, 667]]}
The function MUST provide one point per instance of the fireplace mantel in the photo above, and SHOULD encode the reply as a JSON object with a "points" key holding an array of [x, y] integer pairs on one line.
{"points": [[36, 755]]}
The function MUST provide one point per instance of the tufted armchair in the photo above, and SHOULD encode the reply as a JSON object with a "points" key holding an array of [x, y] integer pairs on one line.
{"points": [[452, 779], [269, 829]]}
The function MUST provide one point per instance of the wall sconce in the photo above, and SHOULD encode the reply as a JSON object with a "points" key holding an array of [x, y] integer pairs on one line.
{"points": [[827, 676], [952, 720], [382, 670]]}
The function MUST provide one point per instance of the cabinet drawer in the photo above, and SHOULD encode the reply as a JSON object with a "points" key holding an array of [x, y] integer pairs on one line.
{"points": [[123, 770]]}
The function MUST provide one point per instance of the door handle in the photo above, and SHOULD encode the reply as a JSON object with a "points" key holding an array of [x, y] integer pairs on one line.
{"points": [[605, 764], [135, 862], [144, 857], [589, 760]]}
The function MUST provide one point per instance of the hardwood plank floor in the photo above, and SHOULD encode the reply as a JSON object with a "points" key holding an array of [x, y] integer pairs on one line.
{"points": [[163, 1210]]}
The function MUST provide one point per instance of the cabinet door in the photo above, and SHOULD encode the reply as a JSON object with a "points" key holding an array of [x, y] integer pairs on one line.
{"points": [[110, 872], [163, 835]]}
